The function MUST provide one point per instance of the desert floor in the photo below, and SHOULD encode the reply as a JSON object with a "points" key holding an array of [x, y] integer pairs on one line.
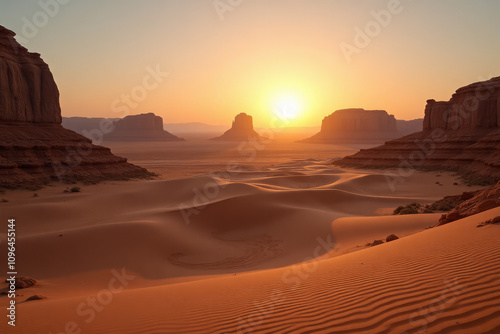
{"points": [[275, 244]]}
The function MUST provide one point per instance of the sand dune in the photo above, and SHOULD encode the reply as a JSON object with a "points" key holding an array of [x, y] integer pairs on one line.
{"points": [[270, 250]]}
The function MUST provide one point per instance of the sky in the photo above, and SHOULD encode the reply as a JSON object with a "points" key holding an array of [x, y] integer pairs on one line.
{"points": [[208, 60]]}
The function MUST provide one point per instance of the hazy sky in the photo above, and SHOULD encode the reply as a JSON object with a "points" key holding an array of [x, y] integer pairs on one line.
{"points": [[311, 51]]}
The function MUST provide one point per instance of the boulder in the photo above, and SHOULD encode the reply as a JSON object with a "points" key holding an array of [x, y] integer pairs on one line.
{"points": [[35, 297], [23, 282], [392, 237]]}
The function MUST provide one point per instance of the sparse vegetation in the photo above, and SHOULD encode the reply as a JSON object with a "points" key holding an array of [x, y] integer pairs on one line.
{"points": [[444, 205], [72, 190], [409, 209]]}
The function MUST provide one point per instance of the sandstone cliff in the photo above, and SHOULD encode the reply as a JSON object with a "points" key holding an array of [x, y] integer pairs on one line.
{"points": [[143, 127], [34, 147], [241, 130], [460, 135], [356, 126]]}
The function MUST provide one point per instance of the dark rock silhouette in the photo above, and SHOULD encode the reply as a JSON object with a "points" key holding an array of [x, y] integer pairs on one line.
{"points": [[242, 129], [460, 135], [34, 148], [35, 297], [143, 127], [392, 237], [375, 243], [23, 282], [356, 125]]}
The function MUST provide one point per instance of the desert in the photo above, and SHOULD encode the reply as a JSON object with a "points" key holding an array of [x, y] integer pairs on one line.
{"points": [[221, 206]]}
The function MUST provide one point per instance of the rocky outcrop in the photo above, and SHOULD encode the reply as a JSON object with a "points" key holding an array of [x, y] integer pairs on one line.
{"points": [[475, 106], [483, 200], [242, 129], [28, 92], [356, 126], [143, 127], [460, 135], [34, 148]]}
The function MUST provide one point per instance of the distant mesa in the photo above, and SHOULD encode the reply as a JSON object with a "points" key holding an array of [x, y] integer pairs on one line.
{"points": [[462, 135], [410, 126], [143, 127], [86, 126], [241, 130], [34, 148], [356, 126]]}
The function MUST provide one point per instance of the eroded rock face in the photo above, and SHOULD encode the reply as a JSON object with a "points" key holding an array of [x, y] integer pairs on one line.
{"points": [[476, 106], [242, 129], [483, 200], [34, 148], [143, 127], [28, 92], [355, 125], [461, 135]]}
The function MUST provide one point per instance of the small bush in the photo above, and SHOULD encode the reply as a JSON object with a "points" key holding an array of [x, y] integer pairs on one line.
{"points": [[75, 190], [3, 200], [409, 209]]}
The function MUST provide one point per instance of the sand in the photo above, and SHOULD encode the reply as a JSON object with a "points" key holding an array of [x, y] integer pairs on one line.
{"points": [[271, 247]]}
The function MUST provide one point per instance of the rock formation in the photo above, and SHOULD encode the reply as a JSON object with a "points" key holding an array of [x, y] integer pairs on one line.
{"points": [[409, 127], [87, 125], [34, 147], [482, 200], [356, 126], [143, 127], [460, 135], [242, 129]]}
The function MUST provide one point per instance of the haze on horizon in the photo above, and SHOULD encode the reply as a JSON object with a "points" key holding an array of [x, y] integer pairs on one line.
{"points": [[221, 63]]}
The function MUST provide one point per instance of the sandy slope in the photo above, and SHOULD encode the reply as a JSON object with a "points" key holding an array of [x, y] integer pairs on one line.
{"points": [[207, 252]]}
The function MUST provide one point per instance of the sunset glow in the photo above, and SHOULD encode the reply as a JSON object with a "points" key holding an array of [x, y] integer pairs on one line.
{"points": [[287, 107]]}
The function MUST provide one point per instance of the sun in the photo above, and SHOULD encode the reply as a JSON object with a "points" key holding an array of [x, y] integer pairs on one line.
{"points": [[287, 106]]}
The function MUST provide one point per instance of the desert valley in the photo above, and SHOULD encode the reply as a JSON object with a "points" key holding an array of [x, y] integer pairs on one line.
{"points": [[361, 222]]}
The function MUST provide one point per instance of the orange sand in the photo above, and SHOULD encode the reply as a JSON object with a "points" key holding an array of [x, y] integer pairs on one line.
{"points": [[264, 250]]}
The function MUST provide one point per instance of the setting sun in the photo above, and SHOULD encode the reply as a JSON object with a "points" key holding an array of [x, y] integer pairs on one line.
{"points": [[287, 107]]}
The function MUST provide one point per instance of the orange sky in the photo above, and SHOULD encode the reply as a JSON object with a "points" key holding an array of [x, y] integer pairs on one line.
{"points": [[99, 52]]}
